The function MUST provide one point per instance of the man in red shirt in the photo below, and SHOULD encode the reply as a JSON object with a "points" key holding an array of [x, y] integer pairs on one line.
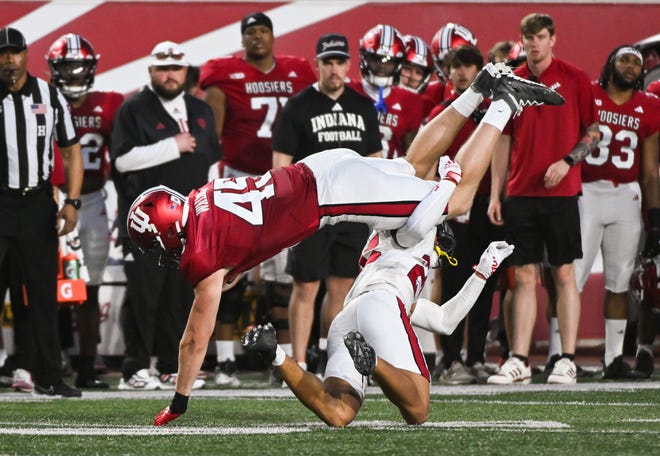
{"points": [[541, 210], [247, 94]]}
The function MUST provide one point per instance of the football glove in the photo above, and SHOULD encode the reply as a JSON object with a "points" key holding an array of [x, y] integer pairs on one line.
{"points": [[492, 258], [449, 169], [165, 416]]}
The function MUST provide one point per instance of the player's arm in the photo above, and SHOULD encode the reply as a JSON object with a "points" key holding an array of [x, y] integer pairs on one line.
{"points": [[217, 99], [194, 342], [498, 170], [444, 319], [558, 170], [73, 165], [650, 184]]}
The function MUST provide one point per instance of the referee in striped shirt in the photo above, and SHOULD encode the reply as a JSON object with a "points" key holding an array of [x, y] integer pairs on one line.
{"points": [[34, 114]]}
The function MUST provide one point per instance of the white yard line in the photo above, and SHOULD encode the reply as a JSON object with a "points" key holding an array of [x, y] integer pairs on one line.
{"points": [[439, 392]]}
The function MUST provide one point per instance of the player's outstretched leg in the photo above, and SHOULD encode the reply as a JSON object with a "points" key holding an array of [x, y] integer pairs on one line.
{"points": [[364, 356]]}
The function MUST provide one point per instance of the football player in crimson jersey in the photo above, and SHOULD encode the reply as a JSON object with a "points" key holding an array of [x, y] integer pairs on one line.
{"points": [[616, 178], [72, 62], [247, 94], [400, 112], [230, 225]]}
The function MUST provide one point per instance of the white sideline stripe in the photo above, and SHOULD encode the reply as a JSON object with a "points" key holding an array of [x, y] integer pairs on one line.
{"points": [[225, 41], [53, 15], [45, 429], [438, 393]]}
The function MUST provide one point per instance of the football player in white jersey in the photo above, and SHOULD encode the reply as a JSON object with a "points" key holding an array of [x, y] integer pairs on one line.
{"points": [[373, 333]]}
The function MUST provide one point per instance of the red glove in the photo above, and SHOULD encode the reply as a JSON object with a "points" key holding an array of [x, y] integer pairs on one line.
{"points": [[165, 416]]}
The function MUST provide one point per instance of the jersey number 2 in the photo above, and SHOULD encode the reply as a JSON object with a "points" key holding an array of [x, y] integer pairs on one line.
{"points": [[235, 196]]}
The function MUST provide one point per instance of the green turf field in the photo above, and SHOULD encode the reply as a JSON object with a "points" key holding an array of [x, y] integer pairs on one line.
{"points": [[601, 419]]}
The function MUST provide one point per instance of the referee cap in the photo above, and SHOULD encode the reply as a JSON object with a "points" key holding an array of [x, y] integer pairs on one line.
{"points": [[10, 37]]}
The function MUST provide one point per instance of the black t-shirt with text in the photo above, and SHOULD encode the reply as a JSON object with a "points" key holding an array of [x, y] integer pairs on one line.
{"points": [[311, 122]]}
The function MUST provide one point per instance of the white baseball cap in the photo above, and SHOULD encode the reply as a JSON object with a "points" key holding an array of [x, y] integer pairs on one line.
{"points": [[168, 53]]}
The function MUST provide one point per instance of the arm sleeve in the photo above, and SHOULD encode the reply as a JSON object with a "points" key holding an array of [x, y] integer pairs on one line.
{"points": [[445, 318], [430, 212], [142, 157]]}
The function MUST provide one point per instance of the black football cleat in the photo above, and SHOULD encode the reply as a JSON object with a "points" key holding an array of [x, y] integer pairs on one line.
{"points": [[618, 369], [519, 93], [263, 339], [486, 80], [363, 354]]}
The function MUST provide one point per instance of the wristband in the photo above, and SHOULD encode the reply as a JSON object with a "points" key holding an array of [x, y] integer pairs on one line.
{"points": [[654, 217], [179, 403], [569, 160]]}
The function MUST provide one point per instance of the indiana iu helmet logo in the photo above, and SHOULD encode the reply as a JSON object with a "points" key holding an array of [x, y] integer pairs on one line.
{"points": [[139, 221]]}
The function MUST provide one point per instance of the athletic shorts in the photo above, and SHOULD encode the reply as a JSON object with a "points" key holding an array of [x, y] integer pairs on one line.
{"points": [[334, 250], [533, 224]]}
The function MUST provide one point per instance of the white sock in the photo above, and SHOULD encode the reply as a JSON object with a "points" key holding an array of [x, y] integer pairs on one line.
{"points": [[3, 356], [280, 356], [554, 342], [498, 114], [615, 330], [303, 365], [288, 349], [323, 343], [467, 102], [224, 350]]}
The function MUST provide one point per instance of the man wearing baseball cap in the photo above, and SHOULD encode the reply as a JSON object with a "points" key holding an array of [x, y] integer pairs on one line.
{"points": [[35, 115], [162, 135], [317, 119], [246, 94]]}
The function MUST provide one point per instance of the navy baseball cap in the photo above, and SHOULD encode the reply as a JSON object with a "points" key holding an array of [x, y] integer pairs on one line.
{"points": [[10, 37]]}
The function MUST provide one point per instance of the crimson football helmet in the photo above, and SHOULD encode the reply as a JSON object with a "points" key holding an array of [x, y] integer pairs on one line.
{"points": [[381, 45], [418, 53], [156, 220], [449, 36], [645, 283], [517, 55], [72, 64]]}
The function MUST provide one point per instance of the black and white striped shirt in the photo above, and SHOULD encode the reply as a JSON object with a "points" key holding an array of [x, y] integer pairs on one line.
{"points": [[30, 119]]}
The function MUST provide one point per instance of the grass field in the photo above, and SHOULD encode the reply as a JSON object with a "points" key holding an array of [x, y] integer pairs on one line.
{"points": [[584, 419]]}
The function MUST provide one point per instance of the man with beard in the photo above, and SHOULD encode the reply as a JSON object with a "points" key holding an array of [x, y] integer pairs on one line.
{"points": [[247, 94], [616, 178], [161, 136]]}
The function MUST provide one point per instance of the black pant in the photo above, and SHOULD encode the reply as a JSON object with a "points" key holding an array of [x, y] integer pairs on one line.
{"points": [[472, 238], [28, 240], [154, 314]]}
